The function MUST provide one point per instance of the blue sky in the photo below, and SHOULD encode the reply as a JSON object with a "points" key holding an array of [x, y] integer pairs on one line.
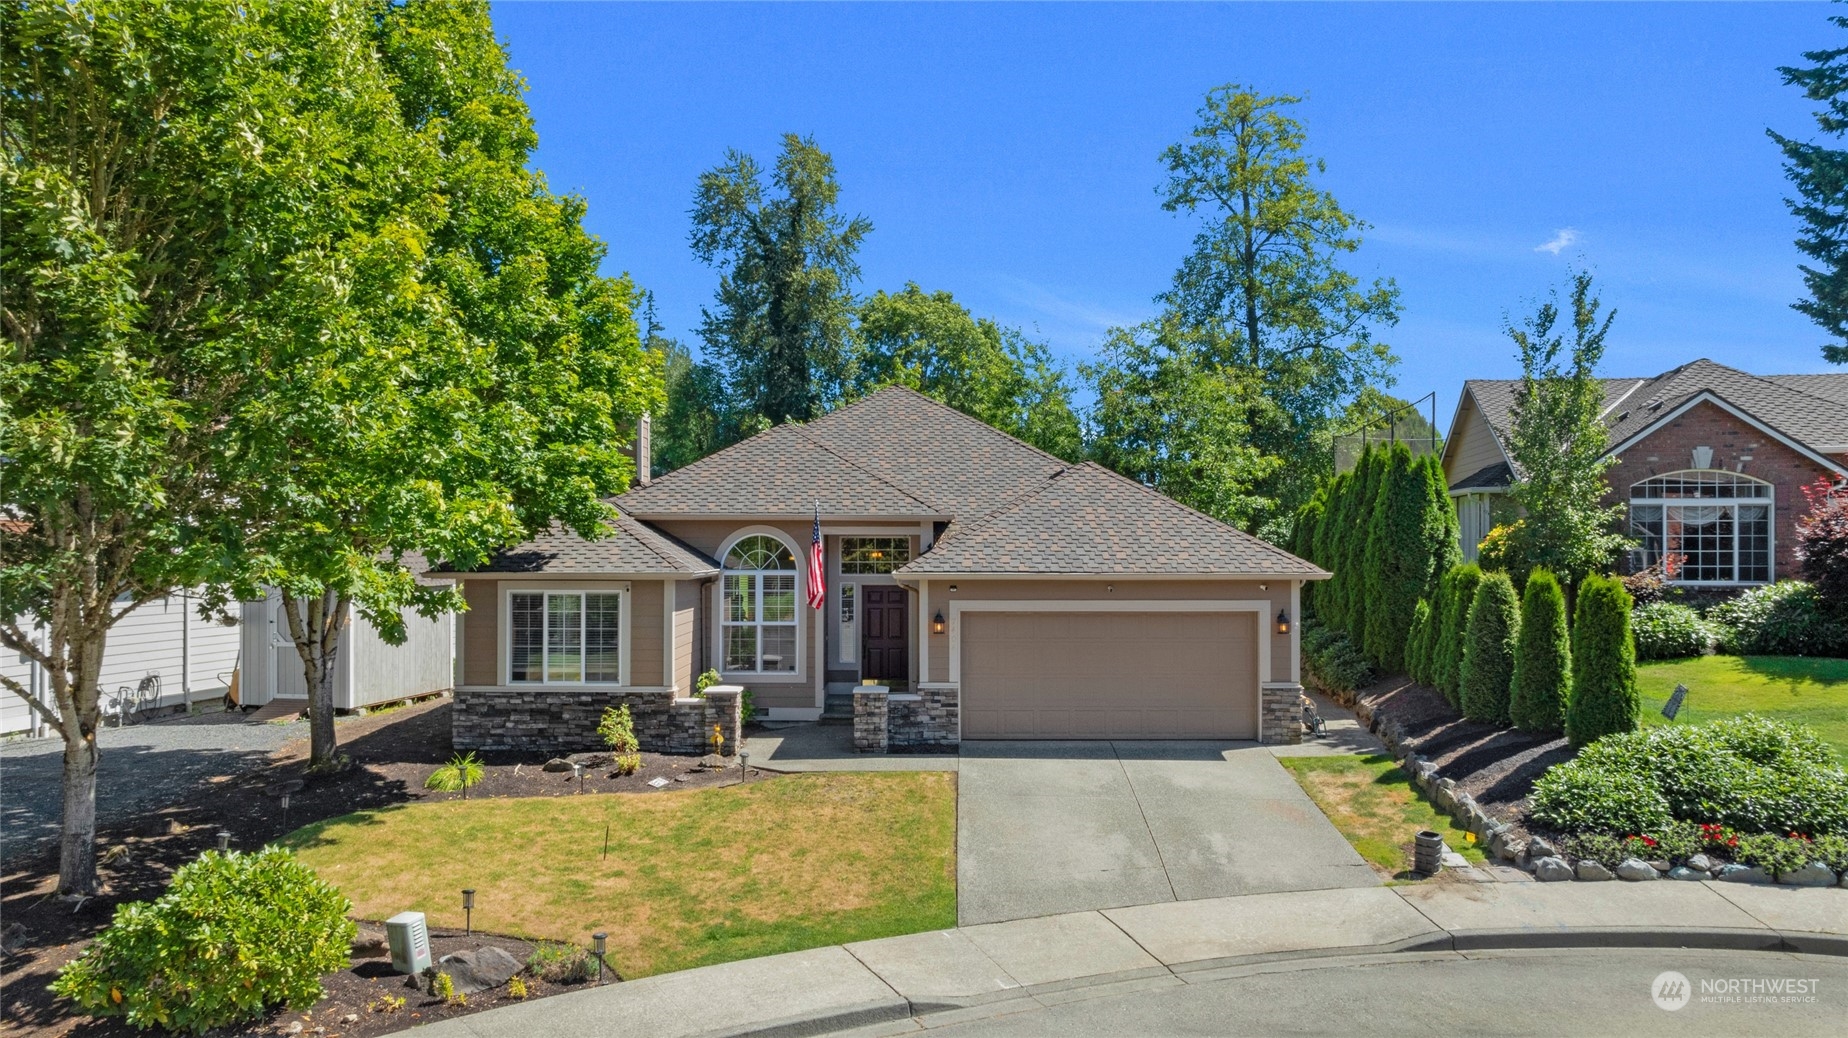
{"points": [[1008, 153]]}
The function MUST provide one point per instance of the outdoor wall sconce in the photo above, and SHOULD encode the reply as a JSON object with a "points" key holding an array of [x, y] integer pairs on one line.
{"points": [[597, 945], [953, 587], [1283, 621], [936, 623], [468, 911]]}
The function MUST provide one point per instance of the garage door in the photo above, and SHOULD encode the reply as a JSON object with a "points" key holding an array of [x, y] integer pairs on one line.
{"points": [[1139, 675]]}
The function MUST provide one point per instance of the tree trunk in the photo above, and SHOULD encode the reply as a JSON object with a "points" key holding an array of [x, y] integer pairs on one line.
{"points": [[77, 843], [315, 625]]}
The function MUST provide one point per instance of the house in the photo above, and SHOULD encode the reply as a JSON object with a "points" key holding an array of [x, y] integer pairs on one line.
{"points": [[189, 657], [1710, 464], [996, 590]]}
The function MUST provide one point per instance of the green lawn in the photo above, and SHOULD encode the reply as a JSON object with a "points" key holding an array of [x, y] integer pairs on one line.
{"points": [[1375, 806], [692, 878], [1796, 689]]}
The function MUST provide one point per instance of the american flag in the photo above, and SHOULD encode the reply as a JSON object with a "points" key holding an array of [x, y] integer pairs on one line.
{"points": [[817, 584]]}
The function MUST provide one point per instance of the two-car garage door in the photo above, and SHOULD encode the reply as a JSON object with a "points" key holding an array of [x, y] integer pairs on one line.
{"points": [[1095, 675]]}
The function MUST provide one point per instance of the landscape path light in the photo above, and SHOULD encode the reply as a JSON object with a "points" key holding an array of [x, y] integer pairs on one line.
{"points": [[224, 841], [744, 766], [597, 941], [468, 911]]}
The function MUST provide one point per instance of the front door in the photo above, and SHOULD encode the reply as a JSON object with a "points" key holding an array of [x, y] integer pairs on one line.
{"points": [[884, 645]]}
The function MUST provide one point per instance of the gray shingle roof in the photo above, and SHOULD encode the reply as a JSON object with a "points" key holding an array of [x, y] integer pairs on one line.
{"points": [[894, 453], [631, 547], [784, 471], [1496, 475], [1088, 520], [1811, 409]]}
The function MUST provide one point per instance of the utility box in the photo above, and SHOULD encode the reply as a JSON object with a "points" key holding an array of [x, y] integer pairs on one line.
{"points": [[409, 939]]}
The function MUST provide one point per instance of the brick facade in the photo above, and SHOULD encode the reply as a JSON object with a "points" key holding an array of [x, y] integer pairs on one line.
{"points": [[1737, 447], [558, 719]]}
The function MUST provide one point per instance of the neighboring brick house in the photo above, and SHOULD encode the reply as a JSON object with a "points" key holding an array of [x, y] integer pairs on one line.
{"points": [[1711, 462]]}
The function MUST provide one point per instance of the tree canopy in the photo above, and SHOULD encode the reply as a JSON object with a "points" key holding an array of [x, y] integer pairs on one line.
{"points": [[1820, 176]]}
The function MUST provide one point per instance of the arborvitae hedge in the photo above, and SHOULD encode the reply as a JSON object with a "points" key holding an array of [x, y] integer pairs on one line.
{"points": [[1447, 656], [1410, 536], [1604, 699], [1303, 539], [1488, 651], [1444, 536], [1542, 658], [1329, 540], [1354, 592], [1417, 641]]}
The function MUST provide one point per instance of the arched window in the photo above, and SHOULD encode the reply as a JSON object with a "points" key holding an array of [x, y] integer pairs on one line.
{"points": [[1713, 527], [758, 614]]}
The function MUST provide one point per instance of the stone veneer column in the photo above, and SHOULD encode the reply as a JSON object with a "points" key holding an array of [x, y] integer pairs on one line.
{"points": [[870, 708], [724, 708], [1280, 713]]}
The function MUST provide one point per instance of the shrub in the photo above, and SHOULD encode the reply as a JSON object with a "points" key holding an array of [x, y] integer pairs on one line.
{"points": [[706, 680], [618, 730], [1449, 654], [1666, 631], [1408, 540], [560, 963], [1488, 650], [516, 986], [1542, 659], [462, 771], [1822, 546], [1602, 848], [1604, 699], [1416, 641], [1651, 584], [1366, 490], [1775, 854], [1743, 773], [1334, 661], [233, 936], [1500, 550], [1575, 798], [1782, 619]]}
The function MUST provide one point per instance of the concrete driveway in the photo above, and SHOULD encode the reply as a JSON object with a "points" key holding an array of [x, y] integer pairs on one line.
{"points": [[1052, 827]]}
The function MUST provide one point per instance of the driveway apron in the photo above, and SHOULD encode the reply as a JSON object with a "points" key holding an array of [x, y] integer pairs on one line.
{"points": [[1052, 827]]}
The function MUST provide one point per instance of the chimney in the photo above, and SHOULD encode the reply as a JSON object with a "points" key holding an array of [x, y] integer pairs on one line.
{"points": [[644, 450]]}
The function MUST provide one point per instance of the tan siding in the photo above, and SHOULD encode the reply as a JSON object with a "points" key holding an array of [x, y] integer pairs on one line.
{"points": [[481, 633], [686, 633], [1472, 447], [645, 632], [1278, 596]]}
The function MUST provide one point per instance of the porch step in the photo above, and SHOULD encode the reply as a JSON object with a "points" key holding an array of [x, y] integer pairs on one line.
{"points": [[837, 707]]}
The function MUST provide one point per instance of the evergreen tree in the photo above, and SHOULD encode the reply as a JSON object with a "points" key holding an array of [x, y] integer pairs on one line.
{"points": [[1448, 656], [1304, 538], [1354, 590], [1543, 658], [1398, 558], [1417, 660], [1604, 699], [1820, 176], [1488, 650], [1332, 540], [1444, 534]]}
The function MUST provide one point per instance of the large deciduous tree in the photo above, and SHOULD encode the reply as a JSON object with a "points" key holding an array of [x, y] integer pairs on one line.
{"points": [[477, 377], [932, 343], [1173, 418], [174, 177], [1557, 439], [1820, 175], [781, 326], [1265, 289]]}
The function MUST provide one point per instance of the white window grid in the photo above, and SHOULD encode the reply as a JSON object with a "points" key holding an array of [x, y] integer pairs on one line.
{"points": [[564, 637], [757, 619], [1719, 522]]}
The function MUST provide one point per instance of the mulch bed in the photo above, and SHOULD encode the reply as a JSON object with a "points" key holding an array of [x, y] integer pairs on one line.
{"points": [[392, 753], [1496, 766]]}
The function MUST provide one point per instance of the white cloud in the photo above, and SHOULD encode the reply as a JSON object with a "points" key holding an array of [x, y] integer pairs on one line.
{"points": [[1564, 238]]}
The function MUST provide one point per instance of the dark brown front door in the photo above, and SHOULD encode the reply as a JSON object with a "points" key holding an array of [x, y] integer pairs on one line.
{"points": [[883, 652]]}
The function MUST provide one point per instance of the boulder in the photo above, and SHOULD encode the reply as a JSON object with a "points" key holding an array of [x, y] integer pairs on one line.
{"points": [[559, 764], [479, 970], [1700, 863], [1541, 847], [1445, 797], [1658, 864], [1593, 872], [1552, 869], [1683, 872], [592, 760], [1730, 873], [1636, 869], [370, 944], [1815, 874]]}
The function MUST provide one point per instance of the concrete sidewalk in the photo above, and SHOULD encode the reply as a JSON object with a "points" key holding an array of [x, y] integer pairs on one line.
{"points": [[945, 975]]}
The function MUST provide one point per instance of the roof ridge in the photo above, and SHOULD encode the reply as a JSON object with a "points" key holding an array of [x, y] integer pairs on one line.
{"points": [[802, 431], [645, 542], [986, 519], [1767, 380], [940, 405]]}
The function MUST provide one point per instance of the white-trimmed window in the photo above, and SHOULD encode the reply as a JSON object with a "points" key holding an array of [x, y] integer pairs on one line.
{"points": [[569, 637], [874, 554], [757, 616], [1716, 525]]}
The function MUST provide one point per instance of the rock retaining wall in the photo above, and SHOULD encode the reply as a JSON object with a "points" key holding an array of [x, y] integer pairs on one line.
{"points": [[927, 721], [1280, 713], [562, 719]]}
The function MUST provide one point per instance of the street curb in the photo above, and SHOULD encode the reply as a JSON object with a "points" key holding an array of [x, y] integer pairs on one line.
{"points": [[1708, 938]]}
